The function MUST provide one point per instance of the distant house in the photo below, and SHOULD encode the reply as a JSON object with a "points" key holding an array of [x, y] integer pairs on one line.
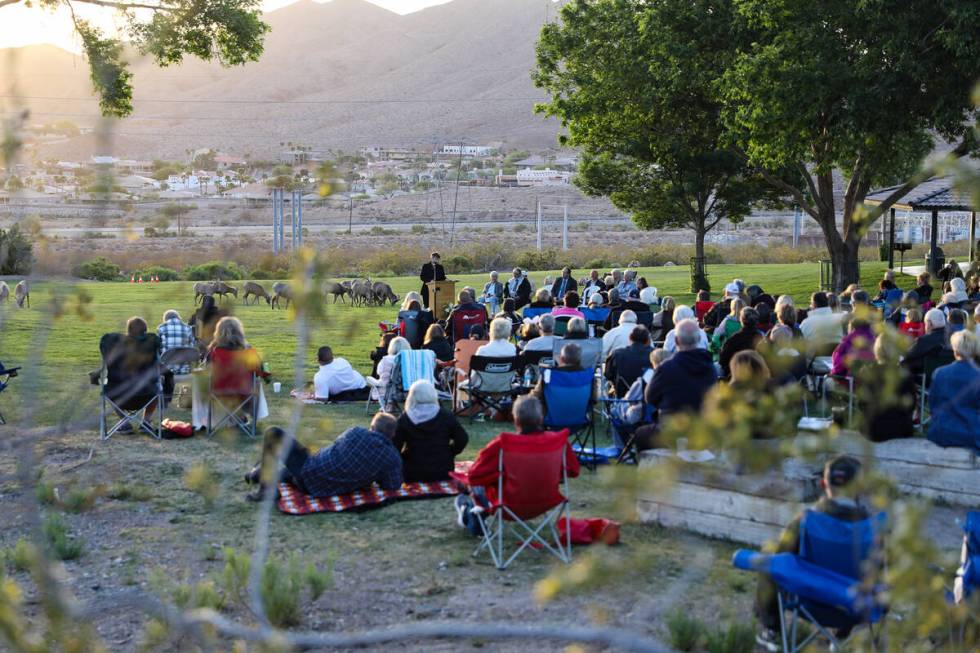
{"points": [[546, 177], [530, 162], [225, 161], [467, 150]]}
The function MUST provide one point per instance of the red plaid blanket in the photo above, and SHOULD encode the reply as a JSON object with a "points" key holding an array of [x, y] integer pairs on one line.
{"points": [[293, 502]]}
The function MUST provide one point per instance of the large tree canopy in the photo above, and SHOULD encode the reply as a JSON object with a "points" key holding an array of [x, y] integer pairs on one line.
{"points": [[228, 31], [795, 91], [632, 83]]}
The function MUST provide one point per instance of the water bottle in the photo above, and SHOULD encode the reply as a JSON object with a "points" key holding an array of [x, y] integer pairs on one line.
{"points": [[528, 377]]}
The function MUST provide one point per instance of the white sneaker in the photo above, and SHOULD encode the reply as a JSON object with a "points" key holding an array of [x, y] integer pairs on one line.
{"points": [[462, 503]]}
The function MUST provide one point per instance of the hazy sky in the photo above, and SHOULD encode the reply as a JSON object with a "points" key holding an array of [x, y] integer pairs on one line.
{"points": [[20, 26]]}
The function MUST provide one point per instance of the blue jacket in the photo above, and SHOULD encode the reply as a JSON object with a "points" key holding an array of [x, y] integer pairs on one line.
{"points": [[954, 401], [680, 382]]}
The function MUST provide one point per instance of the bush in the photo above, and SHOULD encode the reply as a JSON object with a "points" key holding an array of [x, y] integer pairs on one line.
{"points": [[62, 544], [545, 259], [16, 252], [224, 270], [685, 631], [98, 269], [162, 273], [738, 638], [459, 264]]}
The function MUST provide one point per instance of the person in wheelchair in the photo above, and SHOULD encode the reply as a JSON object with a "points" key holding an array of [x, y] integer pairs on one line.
{"points": [[842, 501], [132, 371]]}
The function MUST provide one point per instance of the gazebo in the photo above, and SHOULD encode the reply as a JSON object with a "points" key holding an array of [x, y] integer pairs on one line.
{"points": [[934, 196]]}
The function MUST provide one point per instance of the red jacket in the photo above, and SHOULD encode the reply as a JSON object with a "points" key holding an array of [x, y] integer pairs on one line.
{"points": [[912, 329], [701, 309], [231, 370], [485, 473]]}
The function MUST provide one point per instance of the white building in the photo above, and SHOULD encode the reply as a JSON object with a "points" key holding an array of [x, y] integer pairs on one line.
{"points": [[547, 177], [467, 150]]}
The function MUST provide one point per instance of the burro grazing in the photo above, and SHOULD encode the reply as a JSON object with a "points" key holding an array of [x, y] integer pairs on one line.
{"points": [[337, 290], [281, 291], [362, 292], [383, 293], [252, 289], [222, 289], [22, 294]]}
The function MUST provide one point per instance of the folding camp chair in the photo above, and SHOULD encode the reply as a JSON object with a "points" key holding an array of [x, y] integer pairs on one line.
{"points": [[591, 350], [128, 389], [490, 382], [532, 484], [410, 366], [233, 386], [530, 313], [622, 430], [968, 575], [6, 373], [568, 399], [561, 324], [462, 322], [533, 361], [824, 584], [930, 364]]}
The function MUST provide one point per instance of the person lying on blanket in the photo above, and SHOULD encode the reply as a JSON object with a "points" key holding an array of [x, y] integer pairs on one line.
{"points": [[482, 477], [356, 459]]}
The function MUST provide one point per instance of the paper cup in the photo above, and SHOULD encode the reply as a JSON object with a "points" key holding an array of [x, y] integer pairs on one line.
{"points": [[276, 387]]}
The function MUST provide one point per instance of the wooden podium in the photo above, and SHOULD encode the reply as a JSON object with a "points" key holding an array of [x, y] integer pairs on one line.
{"points": [[442, 294]]}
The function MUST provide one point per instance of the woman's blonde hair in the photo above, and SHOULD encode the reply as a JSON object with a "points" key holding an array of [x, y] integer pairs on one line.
{"points": [[667, 305], [421, 392], [398, 344], [543, 295], [658, 356], [736, 307], [229, 334], [434, 331], [748, 366], [410, 297], [500, 328]]}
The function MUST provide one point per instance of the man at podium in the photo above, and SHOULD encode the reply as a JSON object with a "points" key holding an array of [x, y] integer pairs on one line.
{"points": [[431, 271]]}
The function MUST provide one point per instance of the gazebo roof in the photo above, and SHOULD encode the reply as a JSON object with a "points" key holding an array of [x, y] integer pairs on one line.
{"points": [[936, 194]]}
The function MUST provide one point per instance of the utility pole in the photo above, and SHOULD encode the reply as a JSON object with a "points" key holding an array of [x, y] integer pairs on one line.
{"points": [[539, 225], [564, 229]]}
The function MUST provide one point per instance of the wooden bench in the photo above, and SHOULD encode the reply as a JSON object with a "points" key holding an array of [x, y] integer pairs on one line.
{"points": [[715, 499]]}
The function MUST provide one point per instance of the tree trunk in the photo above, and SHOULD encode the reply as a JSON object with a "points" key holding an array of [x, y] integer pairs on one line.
{"points": [[699, 276], [845, 267]]}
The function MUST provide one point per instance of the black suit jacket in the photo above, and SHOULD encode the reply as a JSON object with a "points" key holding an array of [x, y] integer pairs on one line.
{"points": [[572, 285], [432, 273]]}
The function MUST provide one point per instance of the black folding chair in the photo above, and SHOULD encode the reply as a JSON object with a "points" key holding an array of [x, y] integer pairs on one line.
{"points": [[127, 390], [533, 361], [491, 382], [6, 373]]}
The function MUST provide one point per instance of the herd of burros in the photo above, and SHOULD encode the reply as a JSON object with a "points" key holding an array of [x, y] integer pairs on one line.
{"points": [[362, 292], [22, 293]]}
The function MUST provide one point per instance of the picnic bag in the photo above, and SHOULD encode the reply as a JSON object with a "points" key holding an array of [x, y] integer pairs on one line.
{"points": [[175, 429], [587, 531]]}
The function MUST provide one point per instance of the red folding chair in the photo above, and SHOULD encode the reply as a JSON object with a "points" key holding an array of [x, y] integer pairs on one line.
{"points": [[532, 485]]}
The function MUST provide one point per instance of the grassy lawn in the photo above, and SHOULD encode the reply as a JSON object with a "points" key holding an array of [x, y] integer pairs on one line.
{"points": [[398, 564]]}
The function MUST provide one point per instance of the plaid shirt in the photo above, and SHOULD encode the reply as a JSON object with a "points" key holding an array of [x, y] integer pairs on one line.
{"points": [[174, 334], [356, 459]]}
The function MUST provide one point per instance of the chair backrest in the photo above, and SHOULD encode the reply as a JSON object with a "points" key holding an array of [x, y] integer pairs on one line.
{"points": [[840, 546], [128, 360], [465, 319], [490, 374], [561, 324], [180, 356], [591, 350], [568, 396], [409, 327], [233, 371], [595, 316], [933, 361], [970, 569], [530, 313], [464, 351], [414, 365], [532, 472]]}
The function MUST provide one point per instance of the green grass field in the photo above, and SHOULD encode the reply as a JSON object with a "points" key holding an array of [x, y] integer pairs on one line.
{"points": [[402, 563]]}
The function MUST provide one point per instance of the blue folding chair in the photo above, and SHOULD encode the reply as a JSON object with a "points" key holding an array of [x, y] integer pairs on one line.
{"points": [[824, 583], [568, 400], [6, 373], [968, 575], [530, 313]]}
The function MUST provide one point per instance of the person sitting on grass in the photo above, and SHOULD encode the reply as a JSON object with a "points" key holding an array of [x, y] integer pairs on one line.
{"points": [[356, 459], [842, 501], [480, 485], [336, 380], [954, 397], [428, 437]]}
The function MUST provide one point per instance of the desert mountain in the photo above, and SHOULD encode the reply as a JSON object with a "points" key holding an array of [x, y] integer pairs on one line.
{"points": [[338, 74]]}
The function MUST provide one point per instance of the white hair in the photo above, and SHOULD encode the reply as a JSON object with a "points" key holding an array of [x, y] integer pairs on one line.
{"points": [[171, 314], [410, 297], [577, 325], [627, 317], [500, 328], [964, 345], [398, 344], [683, 312], [957, 285], [687, 333], [935, 318], [648, 295], [421, 392], [546, 323]]}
